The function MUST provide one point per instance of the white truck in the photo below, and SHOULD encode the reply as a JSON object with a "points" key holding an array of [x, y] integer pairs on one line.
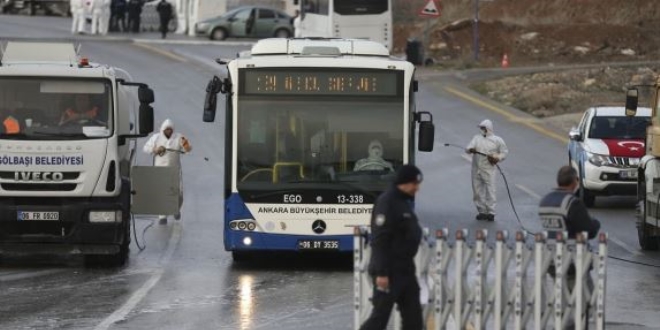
{"points": [[67, 150]]}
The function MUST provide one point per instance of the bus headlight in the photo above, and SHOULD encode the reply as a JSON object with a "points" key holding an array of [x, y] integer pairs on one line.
{"points": [[242, 225], [251, 226], [247, 241], [233, 225], [104, 216]]}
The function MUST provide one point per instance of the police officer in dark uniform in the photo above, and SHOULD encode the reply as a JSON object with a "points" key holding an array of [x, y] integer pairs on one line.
{"points": [[561, 211], [396, 235]]}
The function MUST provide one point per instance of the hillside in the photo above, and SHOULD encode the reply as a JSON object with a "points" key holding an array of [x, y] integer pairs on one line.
{"points": [[533, 31]]}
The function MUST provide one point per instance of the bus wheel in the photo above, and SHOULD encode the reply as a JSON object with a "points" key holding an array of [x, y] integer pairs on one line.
{"points": [[218, 34], [282, 33], [241, 256]]}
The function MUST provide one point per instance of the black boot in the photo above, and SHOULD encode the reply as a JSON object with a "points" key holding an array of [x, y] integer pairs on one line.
{"points": [[482, 216]]}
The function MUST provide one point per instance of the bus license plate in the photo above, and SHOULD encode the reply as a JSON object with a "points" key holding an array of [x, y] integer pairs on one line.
{"points": [[39, 216], [318, 245]]}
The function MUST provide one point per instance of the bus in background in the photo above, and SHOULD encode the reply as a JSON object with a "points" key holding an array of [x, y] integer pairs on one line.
{"points": [[314, 130], [356, 19]]}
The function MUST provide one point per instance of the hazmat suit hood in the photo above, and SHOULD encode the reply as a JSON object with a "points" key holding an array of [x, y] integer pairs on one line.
{"points": [[375, 150], [488, 125], [166, 124]]}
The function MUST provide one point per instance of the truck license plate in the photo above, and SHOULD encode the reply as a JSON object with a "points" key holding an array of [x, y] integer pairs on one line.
{"points": [[318, 245], [629, 174], [38, 216]]}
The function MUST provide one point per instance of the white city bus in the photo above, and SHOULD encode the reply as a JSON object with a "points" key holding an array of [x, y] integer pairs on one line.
{"points": [[359, 19], [300, 115]]}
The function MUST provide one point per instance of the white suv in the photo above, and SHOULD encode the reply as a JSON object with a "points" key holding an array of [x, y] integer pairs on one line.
{"points": [[606, 148]]}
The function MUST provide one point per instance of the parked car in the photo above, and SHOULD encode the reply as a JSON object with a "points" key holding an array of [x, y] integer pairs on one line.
{"points": [[247, 22], [606, 149]]}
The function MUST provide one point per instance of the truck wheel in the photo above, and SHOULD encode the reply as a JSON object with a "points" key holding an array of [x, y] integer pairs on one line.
{"points": [[240, 256], [109, 261], [646, 241]]}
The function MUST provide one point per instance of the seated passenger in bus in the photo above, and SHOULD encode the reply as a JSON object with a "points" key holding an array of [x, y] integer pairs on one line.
{"points": [[375, 161]]}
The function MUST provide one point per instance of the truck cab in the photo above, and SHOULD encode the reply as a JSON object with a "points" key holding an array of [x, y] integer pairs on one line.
{"points": [[67, 149]]}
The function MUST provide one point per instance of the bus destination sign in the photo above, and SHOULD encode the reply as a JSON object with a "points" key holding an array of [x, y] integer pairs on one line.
{"points": [[308, 82]]}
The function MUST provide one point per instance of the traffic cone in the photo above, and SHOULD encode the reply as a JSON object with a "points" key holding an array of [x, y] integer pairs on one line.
{"points": [[505, 61]]}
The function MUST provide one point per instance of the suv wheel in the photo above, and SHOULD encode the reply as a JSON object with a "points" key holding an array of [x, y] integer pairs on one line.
{"points": [[282, 33], [218, 34]]}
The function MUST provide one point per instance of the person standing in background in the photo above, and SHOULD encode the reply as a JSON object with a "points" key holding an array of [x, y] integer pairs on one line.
{"points": [[134, 9], [164, 10], [119, 16], [78, 16], [297, 21]]}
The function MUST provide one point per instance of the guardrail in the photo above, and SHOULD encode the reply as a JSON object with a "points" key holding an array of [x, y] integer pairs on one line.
{"points": [[519, 284]]}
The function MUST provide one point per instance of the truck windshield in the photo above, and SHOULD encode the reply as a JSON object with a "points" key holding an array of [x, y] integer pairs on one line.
{"points": [[55, 108], [319, 142], [361, 7], [618, 127]]}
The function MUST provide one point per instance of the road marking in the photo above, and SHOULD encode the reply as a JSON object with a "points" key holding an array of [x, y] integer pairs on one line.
{"points": [[625, 246], [14, 276], [528, 191], [510, 116], [121, 313], [162, 52]]}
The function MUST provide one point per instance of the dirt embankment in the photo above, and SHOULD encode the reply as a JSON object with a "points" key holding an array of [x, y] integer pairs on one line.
{"points": [[563, 96], [533, 32]]}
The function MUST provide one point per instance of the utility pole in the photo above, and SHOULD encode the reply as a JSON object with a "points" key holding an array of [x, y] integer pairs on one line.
{"points": [[475, 31]]}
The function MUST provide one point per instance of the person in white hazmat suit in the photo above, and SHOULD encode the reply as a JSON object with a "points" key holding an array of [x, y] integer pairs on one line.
{"points": [[375, 161], [78, 16], [182, 8], [167, 148], [487, 150], [100, 16], [297, 28]]}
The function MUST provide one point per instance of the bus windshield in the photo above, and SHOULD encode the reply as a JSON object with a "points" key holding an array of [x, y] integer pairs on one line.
{"points": [[360, 7], [55, 108], [319, 142]]}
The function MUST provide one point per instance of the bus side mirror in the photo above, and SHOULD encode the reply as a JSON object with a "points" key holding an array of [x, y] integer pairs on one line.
{"points": [[211, 102], [632, 99], [426, 138], [146, 119], [146, 95]]}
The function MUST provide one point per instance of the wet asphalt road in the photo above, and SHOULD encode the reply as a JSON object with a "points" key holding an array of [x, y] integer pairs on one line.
{"points": [[184, 279]]}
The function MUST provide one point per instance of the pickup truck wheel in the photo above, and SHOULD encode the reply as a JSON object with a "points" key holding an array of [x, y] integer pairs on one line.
{"points": [[646, 241]]}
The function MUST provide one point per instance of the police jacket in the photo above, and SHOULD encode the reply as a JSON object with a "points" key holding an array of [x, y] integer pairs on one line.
{"points": [[396, 235], [561, 211]]}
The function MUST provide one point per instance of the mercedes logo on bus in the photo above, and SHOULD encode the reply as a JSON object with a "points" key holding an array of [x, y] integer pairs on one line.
{"points": [[319, 226]]}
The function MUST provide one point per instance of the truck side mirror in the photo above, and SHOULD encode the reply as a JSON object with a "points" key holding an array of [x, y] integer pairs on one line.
{"points": [[632, 99], [575, 135], [211, 102], [426, 136], [146, 119], [146, 95]]}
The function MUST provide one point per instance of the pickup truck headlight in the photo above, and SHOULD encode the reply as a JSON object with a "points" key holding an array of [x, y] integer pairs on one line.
{"points": [[105, 216], [599, 160]]}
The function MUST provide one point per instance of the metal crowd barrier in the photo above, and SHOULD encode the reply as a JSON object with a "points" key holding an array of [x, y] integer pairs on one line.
{"points": [[520, 284]]}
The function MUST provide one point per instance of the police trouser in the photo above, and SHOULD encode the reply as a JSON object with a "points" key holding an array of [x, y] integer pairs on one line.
{"points": [[404, 291], [164, 25]]}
